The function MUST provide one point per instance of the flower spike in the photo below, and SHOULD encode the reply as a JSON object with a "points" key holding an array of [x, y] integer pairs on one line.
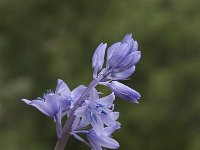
{"points": [[88, 111]]}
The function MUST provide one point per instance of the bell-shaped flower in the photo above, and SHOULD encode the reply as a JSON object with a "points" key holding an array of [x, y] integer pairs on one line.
{"points": [[57, 104], [68, 98], [104, 139], [122, 57], [123, 91], [98, 58], [96, 111], [50, 106]]}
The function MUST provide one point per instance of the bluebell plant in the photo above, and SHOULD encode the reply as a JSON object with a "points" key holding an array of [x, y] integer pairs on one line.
{"points": [[87, 111]]}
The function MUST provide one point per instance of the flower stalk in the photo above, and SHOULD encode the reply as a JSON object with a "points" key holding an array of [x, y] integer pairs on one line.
{"points": [[61, 143], [87, 112]]}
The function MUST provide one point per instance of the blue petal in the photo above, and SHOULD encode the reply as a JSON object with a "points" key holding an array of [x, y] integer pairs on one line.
{"points": [[98, 58], [63, 90], [122, 75], [80, 122], [108, 142], [92, 138], [119, 55], [96, 123], [53, 102], [58, 125], [111, 51], [84, 121], [124, 91], [40, 105], [65, 106], [94, 95], [135, 46], [107, 101], [107, 131], [81, 111], [103, 140], [131, 60], [76, 123], [77, 92], [110, 118], [127, 37], [129, 40]]}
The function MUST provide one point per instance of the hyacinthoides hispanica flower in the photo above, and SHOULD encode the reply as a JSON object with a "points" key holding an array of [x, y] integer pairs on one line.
{"points": [[88, 113]]}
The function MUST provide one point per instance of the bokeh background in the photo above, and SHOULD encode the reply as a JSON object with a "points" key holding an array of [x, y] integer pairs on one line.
{"points": [[43, 40]]}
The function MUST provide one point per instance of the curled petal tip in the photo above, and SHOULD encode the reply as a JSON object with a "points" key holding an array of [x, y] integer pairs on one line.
{"points": [[59, 80], [127, 37], [24, 100]]}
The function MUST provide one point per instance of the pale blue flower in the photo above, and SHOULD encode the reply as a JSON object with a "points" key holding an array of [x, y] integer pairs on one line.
{"points": [[96, 111], [121, 59], [96, 142], [57, 104], [68, 98], [123, 55], [104, 139], [50, 106]]}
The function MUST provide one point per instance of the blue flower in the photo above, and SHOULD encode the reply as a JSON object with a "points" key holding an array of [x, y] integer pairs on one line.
{"points": [[123, 55], [50, 106], [87, 112], [96, 111], [120, 65], [121, 59], [57, 104], [68, 98], [104, 139], [124, 91]]}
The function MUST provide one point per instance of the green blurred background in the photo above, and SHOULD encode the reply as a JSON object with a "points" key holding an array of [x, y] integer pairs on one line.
{"points": [[43, 40]]}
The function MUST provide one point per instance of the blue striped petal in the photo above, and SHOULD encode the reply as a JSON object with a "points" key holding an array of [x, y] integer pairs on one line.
{"points": [[98, 58], [122, 75], [119, 55], [130, 60], [63, 90], [124, 91], [40, 105], [111, 51]]}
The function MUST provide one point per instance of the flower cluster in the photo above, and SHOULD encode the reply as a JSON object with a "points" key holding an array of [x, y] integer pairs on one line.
{"points": [[91, 113]]}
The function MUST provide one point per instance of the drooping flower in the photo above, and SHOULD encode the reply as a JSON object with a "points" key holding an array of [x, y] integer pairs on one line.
{"points": [[50, 106], [96, 111], [104, 139], [124, 91], [57, 104], [96, 142]]}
